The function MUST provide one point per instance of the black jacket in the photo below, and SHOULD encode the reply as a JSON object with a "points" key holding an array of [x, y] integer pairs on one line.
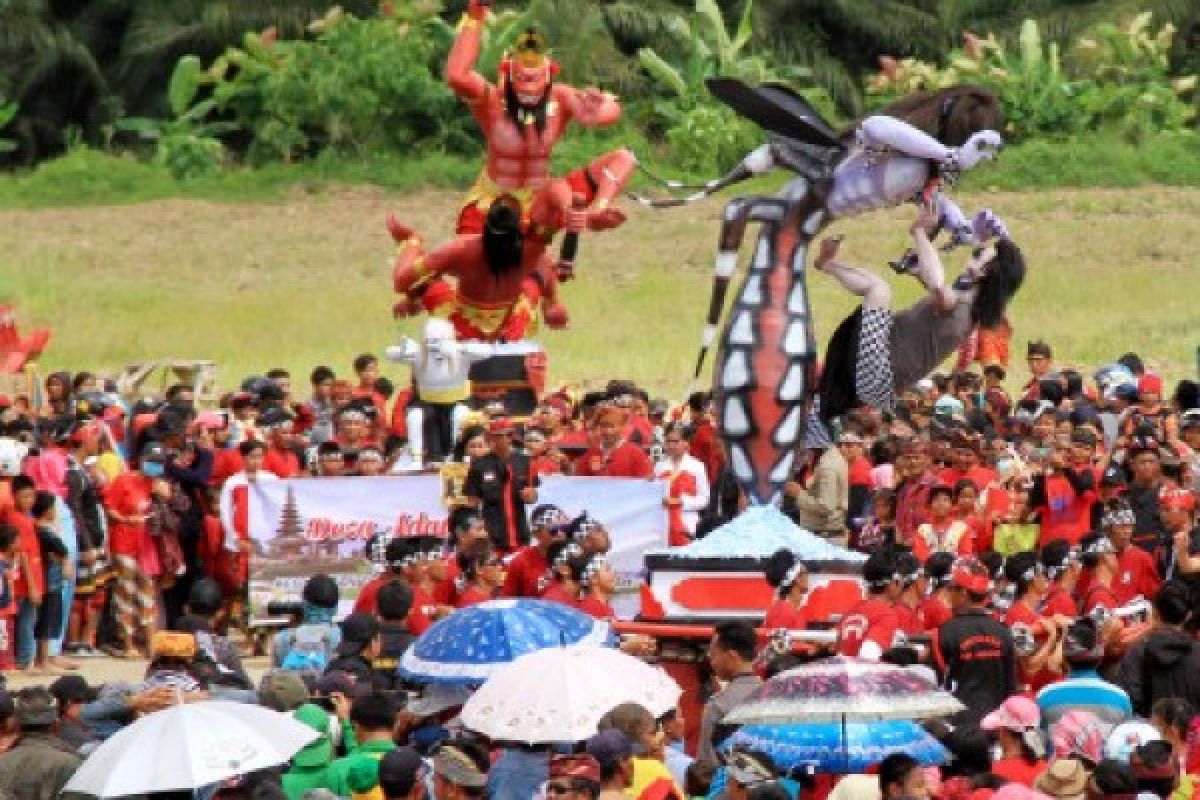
{"points": [[491, 480], [395, 639], [975, 657], [1166, 663]]}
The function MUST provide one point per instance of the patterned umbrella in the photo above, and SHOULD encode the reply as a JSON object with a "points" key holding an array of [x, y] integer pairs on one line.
{"points": [[832, 748], [467, 646], [844, 690]]}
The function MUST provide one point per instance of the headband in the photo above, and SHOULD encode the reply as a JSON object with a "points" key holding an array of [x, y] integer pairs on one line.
{"points": [[789, 580], [1119, 516], [593, 567], [570, 551]]}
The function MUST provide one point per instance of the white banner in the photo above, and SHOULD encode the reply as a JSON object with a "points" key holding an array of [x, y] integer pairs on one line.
{"points": [[304, 526]]}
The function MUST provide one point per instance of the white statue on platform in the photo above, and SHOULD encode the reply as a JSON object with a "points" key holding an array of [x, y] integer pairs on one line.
{"points": [[441, 367]]}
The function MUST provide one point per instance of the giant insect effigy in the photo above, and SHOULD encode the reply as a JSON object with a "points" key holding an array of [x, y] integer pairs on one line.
{"points": [[765, 369]]}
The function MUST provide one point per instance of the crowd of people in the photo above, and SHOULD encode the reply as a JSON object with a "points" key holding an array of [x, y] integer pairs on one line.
{"points": [[1037, 551]]}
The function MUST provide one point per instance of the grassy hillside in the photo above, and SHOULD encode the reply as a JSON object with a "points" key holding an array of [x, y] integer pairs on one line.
{"points": [[306, 280]]}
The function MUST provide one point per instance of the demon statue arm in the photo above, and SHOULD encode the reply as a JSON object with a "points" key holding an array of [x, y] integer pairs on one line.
{"points": [[464, 80]]}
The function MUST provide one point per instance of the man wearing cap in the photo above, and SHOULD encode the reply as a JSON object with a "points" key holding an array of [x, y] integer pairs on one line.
{"points": [[72, 693], [973, 652], [869, 628], [311, 763], [40, 764], [614, 753], [500, 484], [745, 770], [528, 573], [373, 717], [1040, 359], [402, 774], [358, 648], [612, 456], [460, 770], [1146, 481], [820, 504]]}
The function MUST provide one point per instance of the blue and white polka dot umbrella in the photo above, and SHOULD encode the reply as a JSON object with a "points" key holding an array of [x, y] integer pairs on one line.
{"points": [[465, 647]]}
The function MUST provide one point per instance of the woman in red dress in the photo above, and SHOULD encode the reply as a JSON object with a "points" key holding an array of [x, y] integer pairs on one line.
{"points": [[561, 586]]}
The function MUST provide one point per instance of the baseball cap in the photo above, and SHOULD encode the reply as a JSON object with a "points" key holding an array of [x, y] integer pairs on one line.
{"points": [[358, 629], [609, 747], [73, 689], [273, 417], [1113, 476], [400, 770], [341, 682], [455, 765], [1173, 498], [500, 426], [1017, 714], [282, 691], [580, 767], [36, 707], [849, 437], [749, 768], [969, 573], [1150, 383], [436, 698], [320, 750]]}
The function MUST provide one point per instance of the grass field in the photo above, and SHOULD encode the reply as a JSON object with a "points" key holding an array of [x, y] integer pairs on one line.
{"points": [[307, 280]]}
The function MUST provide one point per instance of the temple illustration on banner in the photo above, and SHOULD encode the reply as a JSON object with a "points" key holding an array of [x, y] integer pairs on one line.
{"points": [[290, 552]]}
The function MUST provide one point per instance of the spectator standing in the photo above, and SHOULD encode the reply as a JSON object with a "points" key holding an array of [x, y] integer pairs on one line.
{"points": [[731, 656], [820, 504], [611, 456], [500, 485], [687, 486]]}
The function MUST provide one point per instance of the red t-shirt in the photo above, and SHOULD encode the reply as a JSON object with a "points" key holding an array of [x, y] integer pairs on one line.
{"points": [[526, 573], [27, 542], [128, 495], [872, 620], [858, 472], [706, 447], [445, 592], [1137, 574], [626, 460], [1018, 770], [909, 619], [1097, 595], [783, 614], [593, 606], [470, 596], [932, 612], [980, 476], [420, 617], [1021, 614], [283, 463], [557, 593], [1060, 601], [226, 464], [1066, 514]]}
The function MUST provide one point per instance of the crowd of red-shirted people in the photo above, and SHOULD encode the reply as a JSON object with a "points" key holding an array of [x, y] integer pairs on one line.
{"points": [[1035, 550]]}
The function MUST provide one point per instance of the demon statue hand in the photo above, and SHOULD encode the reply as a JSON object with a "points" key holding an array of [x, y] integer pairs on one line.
{"points": [[440, 367]]}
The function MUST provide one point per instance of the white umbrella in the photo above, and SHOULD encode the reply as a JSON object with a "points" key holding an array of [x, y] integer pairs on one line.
{"points": [[560, 693], [189, 746]]}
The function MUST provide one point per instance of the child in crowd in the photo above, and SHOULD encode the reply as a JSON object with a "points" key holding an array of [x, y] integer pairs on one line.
{"points": [[9, 554], [56, 569]]}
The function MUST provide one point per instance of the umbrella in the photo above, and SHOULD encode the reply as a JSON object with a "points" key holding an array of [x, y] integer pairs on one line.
{"points": [[844, 690], [830, 748], [189, 746], [465, 647], [560, 694]]}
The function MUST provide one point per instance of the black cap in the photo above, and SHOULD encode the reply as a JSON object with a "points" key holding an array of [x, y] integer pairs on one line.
{"points": [[270, 417], [341, 682], [358, 630], [204, 597], [72, 689], [399, 771], [36, 708], [1113, 476], [154, 451], [609, 747], [322, 591]]}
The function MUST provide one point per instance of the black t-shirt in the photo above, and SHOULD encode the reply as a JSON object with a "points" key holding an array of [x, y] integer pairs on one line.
{"points": [[974, 656], [1148, 531]]}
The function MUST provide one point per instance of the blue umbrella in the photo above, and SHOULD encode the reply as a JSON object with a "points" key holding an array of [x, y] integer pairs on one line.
{"points": [[834, 748], [465, 647]]}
